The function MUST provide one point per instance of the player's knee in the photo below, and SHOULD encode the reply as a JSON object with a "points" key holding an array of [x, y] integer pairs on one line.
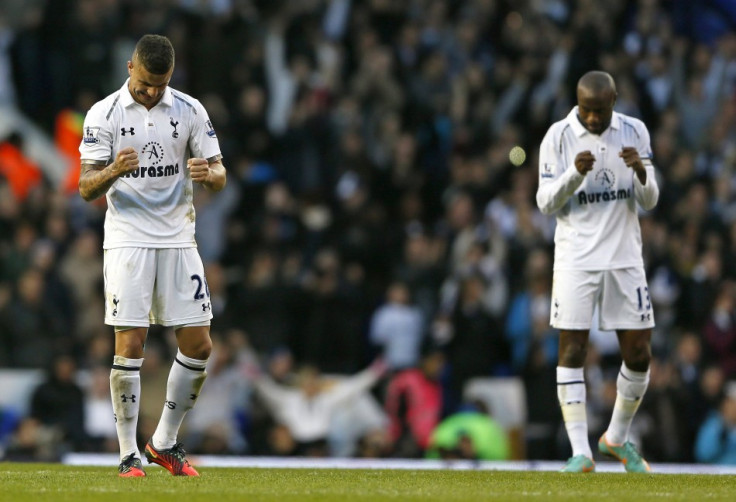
{"points": [[573, 354], [194, 341], [129, 342], [205, 349], [638, 356], [131, 351], [201, 349]]}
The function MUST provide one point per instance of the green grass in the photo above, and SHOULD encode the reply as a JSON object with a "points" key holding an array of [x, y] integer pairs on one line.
{"points": [[54, 482]]}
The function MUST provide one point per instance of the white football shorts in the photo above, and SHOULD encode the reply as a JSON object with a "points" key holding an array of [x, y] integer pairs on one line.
{"points": [[145, 286], [622, 297]]}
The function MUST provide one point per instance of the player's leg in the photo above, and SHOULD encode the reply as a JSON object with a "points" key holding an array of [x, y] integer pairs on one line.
{"points": [[185, 382], [182, 283], [573, 295], [128, 279], [186, 377], [632, 381], [572, 397], [125, 390], [627, 305]]}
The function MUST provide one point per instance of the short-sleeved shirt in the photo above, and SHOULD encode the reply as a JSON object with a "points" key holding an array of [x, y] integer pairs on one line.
{"points": [[151, 207], [597, 215]]}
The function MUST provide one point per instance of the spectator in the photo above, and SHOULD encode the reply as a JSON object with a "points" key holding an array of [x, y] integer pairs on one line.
{"points": [[260, 303], [421, 268], [17, 256], [716, 441], [477, 346], [699, 95], [81, 268], [398, 327], [305, 412], [59, 402], [527, 323], [333, 303], [720, 330], [413, 403], [30, 324], [470, 434], [34, 442]]}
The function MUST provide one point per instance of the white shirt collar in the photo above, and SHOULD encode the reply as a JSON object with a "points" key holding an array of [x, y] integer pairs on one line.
{"points": [[579, 129], [126, 99]]}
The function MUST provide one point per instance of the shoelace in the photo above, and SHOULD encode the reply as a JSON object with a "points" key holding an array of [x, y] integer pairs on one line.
{"points": [[178, 451], [127, 463], [631, 450]]}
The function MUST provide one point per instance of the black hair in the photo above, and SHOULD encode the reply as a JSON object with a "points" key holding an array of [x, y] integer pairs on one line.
{"points": [[155, 53], [597, 82]]}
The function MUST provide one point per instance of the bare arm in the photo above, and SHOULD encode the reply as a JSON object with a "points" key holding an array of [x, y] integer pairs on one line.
{"points": [[210, 174], [95, 180]]}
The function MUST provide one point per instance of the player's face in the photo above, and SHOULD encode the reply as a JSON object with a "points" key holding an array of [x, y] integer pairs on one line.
{"points": [[595, 109], [147, 88]]}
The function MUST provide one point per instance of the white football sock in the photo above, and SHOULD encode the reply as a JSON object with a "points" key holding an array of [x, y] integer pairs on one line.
{"points": [[186, 378], [630, 388], [125, 390], [571, 394]]}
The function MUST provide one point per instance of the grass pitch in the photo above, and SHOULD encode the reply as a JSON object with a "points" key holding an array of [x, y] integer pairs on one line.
{"points": [[56, 482]]}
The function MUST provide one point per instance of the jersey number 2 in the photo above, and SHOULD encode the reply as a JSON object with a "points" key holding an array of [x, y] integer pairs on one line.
{"points": [[198, 294]]}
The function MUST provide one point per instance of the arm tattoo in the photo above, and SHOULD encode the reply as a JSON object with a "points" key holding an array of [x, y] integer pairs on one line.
{"points": [[95, 180]]}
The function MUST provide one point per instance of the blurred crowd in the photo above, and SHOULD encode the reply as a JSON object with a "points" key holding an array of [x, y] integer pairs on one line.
{"points": [[372, 210]]}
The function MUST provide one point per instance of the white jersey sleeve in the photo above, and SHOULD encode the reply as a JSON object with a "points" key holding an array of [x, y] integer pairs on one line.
{"points": [[203, 139], [646, 195], [557, 181], [97, 135]]}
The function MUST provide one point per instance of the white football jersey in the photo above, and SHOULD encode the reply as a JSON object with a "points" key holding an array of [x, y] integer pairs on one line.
{"points": [[597, 220], [151, 207]]}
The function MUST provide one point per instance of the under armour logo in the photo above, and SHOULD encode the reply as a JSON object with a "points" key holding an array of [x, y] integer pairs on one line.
{"points": [[193, 397], [646, 317], [206, 307], [115, 302], [124, 131], [125, 398], [174, 124]]}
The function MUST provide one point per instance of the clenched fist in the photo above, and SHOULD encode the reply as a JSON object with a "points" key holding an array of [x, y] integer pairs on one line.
{"points": [[199, 169], [584, 162], [126, 161], [631, 158]]}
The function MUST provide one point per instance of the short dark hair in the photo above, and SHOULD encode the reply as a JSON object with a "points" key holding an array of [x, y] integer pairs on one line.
{"points": [[597, 82], [155, 53]]}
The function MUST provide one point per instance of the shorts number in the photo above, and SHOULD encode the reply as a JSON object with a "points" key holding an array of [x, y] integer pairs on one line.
{"points": [[643, 296], [198, 295]]}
